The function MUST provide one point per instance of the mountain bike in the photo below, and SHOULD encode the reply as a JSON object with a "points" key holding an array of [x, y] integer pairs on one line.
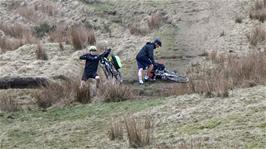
{"points": [[160, 72], [109, 70]]}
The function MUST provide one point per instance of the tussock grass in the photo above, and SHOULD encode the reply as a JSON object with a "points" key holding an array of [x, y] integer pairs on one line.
{"points": [[60, 34], [84, 94], [46, 7], [81, 37], [116, 92], [154, 21], [228, 72], [257, 35], [14, 36], [7, 104], [116, 130], [138, 135], [56, 94], [40, 52], [28, 13], [138, 29], [258, 10], [9, 44], [14, 30]]}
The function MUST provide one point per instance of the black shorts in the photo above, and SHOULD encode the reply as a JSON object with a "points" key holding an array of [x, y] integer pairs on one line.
{"points": [[143, 62], [85, 76]]}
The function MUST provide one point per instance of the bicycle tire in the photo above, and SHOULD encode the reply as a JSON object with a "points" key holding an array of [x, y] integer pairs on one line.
{"points": [[178, 79]]}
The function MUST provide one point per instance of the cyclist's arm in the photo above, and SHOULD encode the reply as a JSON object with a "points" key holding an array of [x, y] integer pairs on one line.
{"points": [[151, 55], [105, 53], [83, 57], [87, 57]]}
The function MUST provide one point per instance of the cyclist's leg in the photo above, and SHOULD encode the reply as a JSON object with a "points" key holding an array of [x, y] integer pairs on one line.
{"points": [[140, 69], [97, 78], [149, 71], [83, 81]]}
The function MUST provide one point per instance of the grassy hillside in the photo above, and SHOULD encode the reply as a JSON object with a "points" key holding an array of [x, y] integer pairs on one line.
{"points": [[183, 121]]}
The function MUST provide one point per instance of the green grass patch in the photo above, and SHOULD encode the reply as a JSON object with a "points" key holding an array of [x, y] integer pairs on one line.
{"points": [[69, 127], [195, 128]]}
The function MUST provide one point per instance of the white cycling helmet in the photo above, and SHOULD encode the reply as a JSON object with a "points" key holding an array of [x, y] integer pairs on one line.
{"points": [[92, 48]]}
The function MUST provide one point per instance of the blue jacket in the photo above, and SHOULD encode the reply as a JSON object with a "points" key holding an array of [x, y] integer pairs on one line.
{"points": [[147, 52], [92, 62]]}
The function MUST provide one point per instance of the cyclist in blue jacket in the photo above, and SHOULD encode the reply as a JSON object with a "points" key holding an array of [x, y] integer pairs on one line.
{"points": [[145, 58]]}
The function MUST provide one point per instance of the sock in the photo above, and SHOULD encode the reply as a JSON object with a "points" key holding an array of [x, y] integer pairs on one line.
{"points": [[146, 77], [140, 75]]}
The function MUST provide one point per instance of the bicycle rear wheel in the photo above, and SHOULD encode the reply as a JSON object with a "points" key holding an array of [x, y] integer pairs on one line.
{"points": [[178, 79]]}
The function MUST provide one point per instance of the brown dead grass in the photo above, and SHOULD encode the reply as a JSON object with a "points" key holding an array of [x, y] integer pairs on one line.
{"points": [[28, 13], [258, 10], [56, 94], [84, 94], [138, 29], [116, 92], [81, 37], [40, 52], [138, 135], [9, 44], [230, 72], [39, 11], [46, 7], [14, 30], [61, 34], [154, 21], [7, 104], [15, 35], [116, 130], [257, 35]]}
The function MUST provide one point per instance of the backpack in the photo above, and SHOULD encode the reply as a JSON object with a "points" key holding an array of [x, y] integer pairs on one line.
{"points": [[116, 61]]}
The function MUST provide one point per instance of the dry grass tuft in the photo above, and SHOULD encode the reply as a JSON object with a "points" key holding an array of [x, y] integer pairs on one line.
{"points": [[84, 94], [81, 37], [7, 104], [116, 131], [138, 29], [14, 30], [61, 46], [46, 7], [138, 136], [56, 94], [226, 74], [7, 44], [257, 35], [41, 52], [60, 34], [154, 21], [258, 10], [115, 92], [28, 13], [14, 36]]}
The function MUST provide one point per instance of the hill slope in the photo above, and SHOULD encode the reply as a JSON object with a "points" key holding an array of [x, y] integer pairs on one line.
{"points": [[235, 122]]}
